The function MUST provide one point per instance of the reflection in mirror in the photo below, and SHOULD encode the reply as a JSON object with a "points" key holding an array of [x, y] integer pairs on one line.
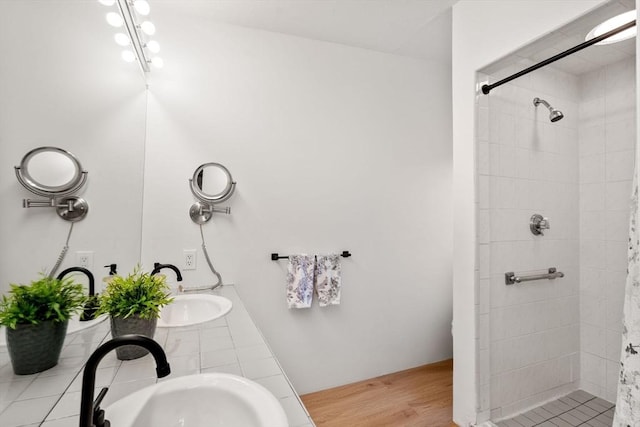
{"points": [[52, 169], [213, 180], [64, 84], [50, 172]]}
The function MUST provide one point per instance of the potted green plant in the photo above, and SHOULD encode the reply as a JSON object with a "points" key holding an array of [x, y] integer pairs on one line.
{"points": [[36, 318], [133, 303]]}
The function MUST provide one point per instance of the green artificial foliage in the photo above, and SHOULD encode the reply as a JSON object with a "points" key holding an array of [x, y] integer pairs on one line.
{"points": [[136, 294], [46, 299]]}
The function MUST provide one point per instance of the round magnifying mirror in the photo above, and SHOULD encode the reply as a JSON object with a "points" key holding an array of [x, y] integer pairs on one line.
{"points": [[50, 172], [212, 183]]}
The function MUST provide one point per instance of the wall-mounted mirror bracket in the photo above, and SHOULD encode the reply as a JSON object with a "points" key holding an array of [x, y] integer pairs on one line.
{"points": [[201, 213]]}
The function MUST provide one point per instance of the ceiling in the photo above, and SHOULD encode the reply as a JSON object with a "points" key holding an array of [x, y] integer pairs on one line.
{"points": [[415, 28], [571, 35]]}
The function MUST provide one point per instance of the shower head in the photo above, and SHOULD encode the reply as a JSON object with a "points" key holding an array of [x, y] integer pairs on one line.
{"points": [[554, 115]]}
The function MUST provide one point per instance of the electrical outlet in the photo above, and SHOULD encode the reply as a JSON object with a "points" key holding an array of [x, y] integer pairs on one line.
{"points": [[189, 259], [84, 259]]}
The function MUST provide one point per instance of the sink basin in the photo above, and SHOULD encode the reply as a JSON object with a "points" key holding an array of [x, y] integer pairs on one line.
{"points": [[188, 310], [75, 325], [211, 400]]}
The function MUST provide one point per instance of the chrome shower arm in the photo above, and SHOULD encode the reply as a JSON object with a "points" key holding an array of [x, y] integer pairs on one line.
{"points": [[537, 101]]}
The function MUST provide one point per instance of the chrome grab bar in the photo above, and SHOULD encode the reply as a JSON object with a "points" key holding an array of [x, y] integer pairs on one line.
{"points": [[510, 277]]}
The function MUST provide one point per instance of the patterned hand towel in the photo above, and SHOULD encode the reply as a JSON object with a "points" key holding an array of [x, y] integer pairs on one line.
{"points": [[300, 281], [328, 279]]}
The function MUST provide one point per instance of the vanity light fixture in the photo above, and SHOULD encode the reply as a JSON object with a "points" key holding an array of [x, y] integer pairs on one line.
{"points": [[612, 23], [128, 17], [142, 7], [122, 39]]}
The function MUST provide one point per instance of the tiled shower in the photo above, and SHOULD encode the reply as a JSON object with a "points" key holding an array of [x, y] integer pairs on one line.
{"points": [[543, 339]]}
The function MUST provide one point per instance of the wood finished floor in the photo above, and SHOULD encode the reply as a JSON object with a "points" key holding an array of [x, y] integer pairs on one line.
{"points": [[418, 397]]}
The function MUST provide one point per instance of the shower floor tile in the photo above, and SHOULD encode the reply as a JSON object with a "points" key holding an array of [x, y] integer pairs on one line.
{"points": [[578, 408]]}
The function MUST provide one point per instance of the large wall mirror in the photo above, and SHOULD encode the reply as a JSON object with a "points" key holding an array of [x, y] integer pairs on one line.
{"points": [[64, 85]]}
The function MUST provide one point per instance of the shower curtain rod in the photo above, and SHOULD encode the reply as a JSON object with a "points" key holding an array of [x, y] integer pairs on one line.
{"points": [[487, 88]]}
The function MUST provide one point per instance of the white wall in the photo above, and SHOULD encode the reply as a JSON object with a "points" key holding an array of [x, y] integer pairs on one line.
{"points": [[333, 148], [482, 32], [607, 144], [63, 84]]}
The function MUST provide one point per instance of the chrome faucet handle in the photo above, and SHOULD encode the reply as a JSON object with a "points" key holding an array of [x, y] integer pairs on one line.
{"points": [[537, 223]]}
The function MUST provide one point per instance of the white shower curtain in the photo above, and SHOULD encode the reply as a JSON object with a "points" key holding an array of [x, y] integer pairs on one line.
{"points": [[628, 401]]}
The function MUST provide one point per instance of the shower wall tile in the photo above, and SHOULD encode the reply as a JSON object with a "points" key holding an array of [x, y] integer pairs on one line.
{"points": [[592, 197], [592, 339], [591, 85], [613, 345], [592, 138], [592, 253], [482, 131], [484, 294], [619, 165], [620, 134], [613, 311], [483, 158], [592, 369], [592, 310], [618, 196], [484, 226], [592, 168], [620, 77], [612, 372], [592, 112], [483, 192], [607, 134], [591, 225], [616, 256]]}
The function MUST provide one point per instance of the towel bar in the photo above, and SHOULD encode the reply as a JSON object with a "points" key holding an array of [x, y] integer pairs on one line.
{"points": [[552, 273], [275, 256]]}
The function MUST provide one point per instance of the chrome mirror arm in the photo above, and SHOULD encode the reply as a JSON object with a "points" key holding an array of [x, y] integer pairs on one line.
{"points": [[69, 208]]}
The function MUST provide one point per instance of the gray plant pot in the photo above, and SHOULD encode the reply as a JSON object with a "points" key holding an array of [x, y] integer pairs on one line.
{"points": [[132, 325], [35, 348]]}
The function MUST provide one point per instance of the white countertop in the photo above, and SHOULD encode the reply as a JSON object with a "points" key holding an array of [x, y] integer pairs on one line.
{"points": [[231, 344]]}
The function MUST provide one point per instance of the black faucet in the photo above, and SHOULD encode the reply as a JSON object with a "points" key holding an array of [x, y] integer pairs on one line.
{"points": [[90, 307], [157, 267], [90, 413], [83, 270], [112, 269]]}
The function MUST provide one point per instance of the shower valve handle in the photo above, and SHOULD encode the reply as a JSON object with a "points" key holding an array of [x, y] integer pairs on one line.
{"points": [[539, 223]]}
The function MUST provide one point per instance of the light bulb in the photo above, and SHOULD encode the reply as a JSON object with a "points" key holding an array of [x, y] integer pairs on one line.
{"points": [[128, 56], [115, 19], [142, 7], [611, 24], [153, 46], [157, 62], [107, 2], [122, 39], [148, 28]]}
